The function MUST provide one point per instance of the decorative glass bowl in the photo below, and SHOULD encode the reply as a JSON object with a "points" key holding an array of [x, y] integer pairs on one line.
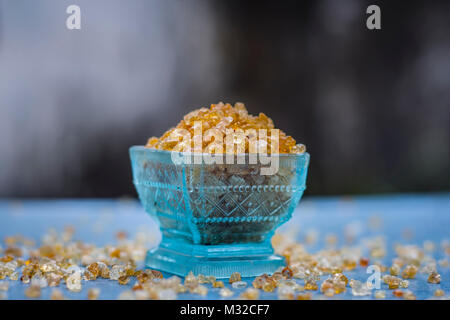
{"points": [[216, 219]]}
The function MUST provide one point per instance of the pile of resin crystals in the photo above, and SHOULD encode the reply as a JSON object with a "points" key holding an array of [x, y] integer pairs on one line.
{"points": [[329, 266], [61, 262], [222, 116]]}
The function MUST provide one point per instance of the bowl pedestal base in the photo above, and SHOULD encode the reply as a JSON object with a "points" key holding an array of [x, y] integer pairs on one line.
{"points": [[179, 257]]}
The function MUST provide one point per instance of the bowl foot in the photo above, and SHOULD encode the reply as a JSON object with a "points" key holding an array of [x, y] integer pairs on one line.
{"points": [[177, 257]]}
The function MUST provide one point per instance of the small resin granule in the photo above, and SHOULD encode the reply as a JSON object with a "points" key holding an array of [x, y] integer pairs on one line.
{"points": [[327, 285], [116, 272], [202, 279], [53, 279], [429, 267], [25, 278], [225, 292], [311, 285], [394, 270], [286, 293], [142, 277], [33, 291], [239, 284], [392, 281], [123, 280], [339, 277], [287, 272], [380, 294], [339, 286], [235, 276], [39, 280], [144, 295], [156, 274], [56, 295], [167, 294], [121, 235], [277, 276], [250, 294], [359, 288], [444, 263], [73, 282], [190, 281], [14, 276], [93, 293], [398, 293], [349, 264], [331, 240], [409, 272], [439, 293], [218, 284], [94, 269], [201, 290], [137, 286], [353, 282], [4, 285], [258, 282], [364, 262], [269, 286], [104, 270], [429, 246], [378, 252], [88, 276], [409, 295], [434, 277], [126, 295], [304, 296]]}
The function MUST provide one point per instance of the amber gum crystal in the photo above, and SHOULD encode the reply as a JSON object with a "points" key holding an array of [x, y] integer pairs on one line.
{"points": [[364, 262], [439, 293], [235, 277], [304, 296], [434, 277], [311, 285], [64, 269], [398, 293], [218, 284], [409, 272], [223, 117], [250, 294]]}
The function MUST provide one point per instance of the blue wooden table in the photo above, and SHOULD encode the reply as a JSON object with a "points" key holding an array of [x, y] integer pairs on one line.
{"points": [[404, 219]]}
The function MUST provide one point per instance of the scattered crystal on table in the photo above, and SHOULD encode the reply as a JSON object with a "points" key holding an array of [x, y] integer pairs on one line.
{"points": [[359, 231]]}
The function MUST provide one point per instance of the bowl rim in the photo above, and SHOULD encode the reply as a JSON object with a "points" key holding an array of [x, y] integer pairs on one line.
{"points": [[151, 150]]}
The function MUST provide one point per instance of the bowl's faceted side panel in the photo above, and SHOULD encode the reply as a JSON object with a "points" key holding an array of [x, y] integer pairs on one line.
{"points": [[159, 184], [236, 204]]}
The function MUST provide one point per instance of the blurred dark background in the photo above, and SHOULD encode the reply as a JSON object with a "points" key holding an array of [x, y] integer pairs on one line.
{"points": [[372, 107]]}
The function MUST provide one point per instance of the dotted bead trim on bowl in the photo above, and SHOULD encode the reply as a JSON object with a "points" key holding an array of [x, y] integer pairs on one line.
{"points": [[236, 188], [160, 185], [230, 188], [237, 219]]}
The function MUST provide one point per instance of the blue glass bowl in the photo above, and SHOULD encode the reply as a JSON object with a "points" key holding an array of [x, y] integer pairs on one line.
{"points": [[216, 219]]}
